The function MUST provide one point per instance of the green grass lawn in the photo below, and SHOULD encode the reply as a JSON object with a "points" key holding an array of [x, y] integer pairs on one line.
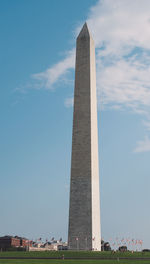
{"points": [[28, 261], [72, 254]]}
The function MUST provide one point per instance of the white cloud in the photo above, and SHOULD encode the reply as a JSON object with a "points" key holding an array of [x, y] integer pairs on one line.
{"points": [[54, 74], [143, 145], [121, 30], [69, 101], [125, 83], [147, 124]]}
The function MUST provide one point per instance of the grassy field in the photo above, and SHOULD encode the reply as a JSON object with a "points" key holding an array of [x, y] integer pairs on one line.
{"points": [[29, 261], [74, 254], [115, 258]]}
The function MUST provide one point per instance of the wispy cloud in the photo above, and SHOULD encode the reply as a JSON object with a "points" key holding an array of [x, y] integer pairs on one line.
{"points": [[121, 33], [122, 37], [56, 73], [147, 124], [121, 30], [69, 102], [143, 145]]}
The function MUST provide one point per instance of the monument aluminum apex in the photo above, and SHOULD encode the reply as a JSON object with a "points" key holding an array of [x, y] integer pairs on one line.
{"points": [[84, 210]]}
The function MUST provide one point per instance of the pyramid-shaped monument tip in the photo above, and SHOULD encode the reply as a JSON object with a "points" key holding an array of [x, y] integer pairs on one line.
{"points": [[84, 31]]}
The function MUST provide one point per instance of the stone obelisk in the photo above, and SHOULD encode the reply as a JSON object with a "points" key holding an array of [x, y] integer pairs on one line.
{"points": [[84, 210]]}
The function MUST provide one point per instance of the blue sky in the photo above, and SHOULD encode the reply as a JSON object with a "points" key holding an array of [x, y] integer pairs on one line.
{"points": [[36, 91]]}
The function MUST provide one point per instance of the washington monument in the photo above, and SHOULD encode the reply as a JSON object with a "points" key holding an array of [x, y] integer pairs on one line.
{"points": [[84, 210]]}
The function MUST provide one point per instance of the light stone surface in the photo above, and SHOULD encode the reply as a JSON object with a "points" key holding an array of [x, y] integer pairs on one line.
{"points": [[84, 211]]}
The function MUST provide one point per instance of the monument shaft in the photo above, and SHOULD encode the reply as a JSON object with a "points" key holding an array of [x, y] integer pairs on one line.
{"points": [[84, 212]]}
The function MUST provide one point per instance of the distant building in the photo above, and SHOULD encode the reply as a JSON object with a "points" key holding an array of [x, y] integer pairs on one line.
{"points": [[51, 246], [8, 242], [63, 247], [48, 246], [25, 242], [56, 245]]}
